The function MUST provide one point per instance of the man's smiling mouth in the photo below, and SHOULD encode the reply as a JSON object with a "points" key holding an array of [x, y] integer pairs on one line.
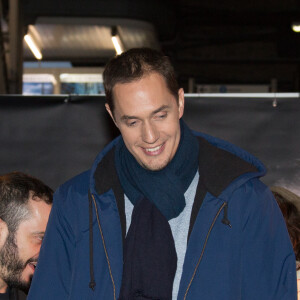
{"points": [[154, 151]]}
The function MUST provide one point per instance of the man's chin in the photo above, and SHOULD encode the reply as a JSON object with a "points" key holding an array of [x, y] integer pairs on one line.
{"points": [[154, 165], [20, 285]]}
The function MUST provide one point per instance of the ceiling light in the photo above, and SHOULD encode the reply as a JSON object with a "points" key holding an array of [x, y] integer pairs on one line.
{"points": [[33, 47], [296, 27], [116, 41]]}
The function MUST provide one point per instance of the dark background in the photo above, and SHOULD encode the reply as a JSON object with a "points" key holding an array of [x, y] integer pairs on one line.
{"points": [[212, 42], [55, 138]]}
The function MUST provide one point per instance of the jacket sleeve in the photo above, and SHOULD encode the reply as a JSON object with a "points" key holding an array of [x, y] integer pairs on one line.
{"points": [[53, 272], [268, 260]]}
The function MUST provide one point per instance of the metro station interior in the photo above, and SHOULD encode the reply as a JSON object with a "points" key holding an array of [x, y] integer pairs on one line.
{"points": [[219, 47]]}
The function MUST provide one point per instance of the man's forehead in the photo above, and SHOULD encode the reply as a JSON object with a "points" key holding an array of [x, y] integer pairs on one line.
{"points": [[37, 219], [149, 87], [140, 81]]}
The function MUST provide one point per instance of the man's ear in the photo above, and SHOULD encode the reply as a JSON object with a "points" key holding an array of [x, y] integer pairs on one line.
{"points": [[180, 102], [110, 113], [3, 232]]}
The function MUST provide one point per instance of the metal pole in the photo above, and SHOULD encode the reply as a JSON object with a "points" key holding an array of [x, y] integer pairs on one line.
{"points": [[3, 69], [16, 34]]}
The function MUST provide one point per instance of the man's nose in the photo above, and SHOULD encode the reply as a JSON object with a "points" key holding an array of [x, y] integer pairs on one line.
{"points": [[150, 134]]}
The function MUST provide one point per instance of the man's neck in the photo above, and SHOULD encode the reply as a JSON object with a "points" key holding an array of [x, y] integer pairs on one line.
{"points": [[3, 287]]}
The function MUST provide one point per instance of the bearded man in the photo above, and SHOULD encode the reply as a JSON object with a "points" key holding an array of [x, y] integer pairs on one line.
{"points": [[25, 204]]}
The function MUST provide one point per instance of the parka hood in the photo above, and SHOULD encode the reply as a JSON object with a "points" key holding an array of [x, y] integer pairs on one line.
{"points": [[225, 167]]}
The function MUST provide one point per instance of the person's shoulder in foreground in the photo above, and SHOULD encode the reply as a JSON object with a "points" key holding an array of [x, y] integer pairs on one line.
{"points": [[289, 204], [164, 213], [25, 204]]}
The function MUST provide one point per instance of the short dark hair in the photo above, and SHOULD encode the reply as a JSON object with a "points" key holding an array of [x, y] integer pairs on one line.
{"points": [[15, 191], [133, 65], [291, 215]]}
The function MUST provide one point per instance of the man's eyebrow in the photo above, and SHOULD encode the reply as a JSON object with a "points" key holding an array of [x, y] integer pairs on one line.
{"points": [[125, 117], [163, 107]]}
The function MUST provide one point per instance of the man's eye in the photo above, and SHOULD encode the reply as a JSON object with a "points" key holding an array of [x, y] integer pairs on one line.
{"points": [[40, 237], [161, 116], [132, 123]]}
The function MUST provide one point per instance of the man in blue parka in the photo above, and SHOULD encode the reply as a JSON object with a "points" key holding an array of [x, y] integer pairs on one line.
{"points": [[164, 212]]}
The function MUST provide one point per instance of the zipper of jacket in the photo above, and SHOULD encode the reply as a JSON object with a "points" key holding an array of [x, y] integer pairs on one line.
{"points": [[204, 246], [104, 246]]}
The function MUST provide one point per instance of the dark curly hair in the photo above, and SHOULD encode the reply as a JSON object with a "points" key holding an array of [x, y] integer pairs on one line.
{"points": [[15, 190], [291, 215]]}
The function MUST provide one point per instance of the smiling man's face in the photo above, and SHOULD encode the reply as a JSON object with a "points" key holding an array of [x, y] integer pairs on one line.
{"points": [[147, 115], [19, 253]]}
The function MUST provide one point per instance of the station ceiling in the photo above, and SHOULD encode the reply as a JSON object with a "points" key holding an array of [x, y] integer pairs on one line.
{"points": [[211, 41]]}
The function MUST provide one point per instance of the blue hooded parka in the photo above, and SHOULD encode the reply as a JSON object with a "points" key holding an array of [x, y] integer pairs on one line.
{"points": [[238, 245]]}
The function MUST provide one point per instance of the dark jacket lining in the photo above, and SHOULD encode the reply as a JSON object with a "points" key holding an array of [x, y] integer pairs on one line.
{"points": [[106, 178]]}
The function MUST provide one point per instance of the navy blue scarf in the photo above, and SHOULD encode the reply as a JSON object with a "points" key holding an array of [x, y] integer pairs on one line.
{"points": [[150, 258], [164, 188]]}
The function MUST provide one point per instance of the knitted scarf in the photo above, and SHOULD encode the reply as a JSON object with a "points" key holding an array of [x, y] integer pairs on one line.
{"points": [[164, 188]]}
